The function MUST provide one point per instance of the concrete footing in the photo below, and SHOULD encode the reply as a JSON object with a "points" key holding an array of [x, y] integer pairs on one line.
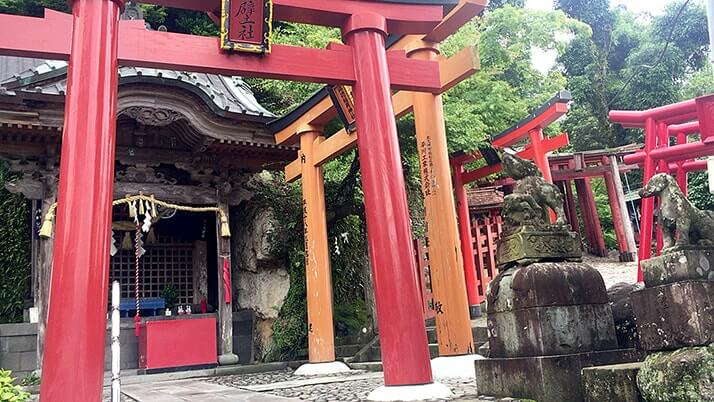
{"points": [[410, 392], [228, 359], [322, 369], [454, 366]]}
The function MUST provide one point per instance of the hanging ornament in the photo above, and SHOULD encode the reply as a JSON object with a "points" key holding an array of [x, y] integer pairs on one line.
{"points": [[113, 250], [140, 244], [126, 242], [151, 237], [147, 217], [132, 209]]}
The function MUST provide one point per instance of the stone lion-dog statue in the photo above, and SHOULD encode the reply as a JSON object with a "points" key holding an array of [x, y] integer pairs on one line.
{"points": [[693, 226], [532, 189]]}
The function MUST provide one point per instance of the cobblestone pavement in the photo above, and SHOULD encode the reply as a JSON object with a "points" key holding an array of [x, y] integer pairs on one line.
{"points": [[350, 387], [613, 271]]}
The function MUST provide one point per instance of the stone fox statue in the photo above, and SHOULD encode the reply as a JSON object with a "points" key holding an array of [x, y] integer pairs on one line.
{"points": [[530, 182], [677, 215]]}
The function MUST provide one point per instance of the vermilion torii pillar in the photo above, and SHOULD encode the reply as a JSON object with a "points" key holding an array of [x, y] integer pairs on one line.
{"points": [[453, 326], [446, 262], [405, 354], [321, 337], [76, 327]]}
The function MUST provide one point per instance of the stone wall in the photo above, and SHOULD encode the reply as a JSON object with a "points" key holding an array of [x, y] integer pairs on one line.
{"points": [[18, 348]]}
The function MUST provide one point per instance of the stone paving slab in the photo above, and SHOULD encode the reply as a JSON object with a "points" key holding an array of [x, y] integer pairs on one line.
{"points": [[195, 390]]}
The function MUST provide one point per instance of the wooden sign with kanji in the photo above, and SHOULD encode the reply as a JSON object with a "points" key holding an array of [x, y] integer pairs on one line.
{"points": [[246, 25]]}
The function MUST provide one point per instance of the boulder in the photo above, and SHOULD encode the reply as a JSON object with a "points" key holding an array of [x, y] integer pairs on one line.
{"points": [[621, 305], [684, 375]]}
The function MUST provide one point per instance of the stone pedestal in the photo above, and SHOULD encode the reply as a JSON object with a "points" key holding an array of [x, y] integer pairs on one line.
{"points": [[689, 264], [529, 244], [549, 309], [543, 378], [675, 315], [547, 321]]}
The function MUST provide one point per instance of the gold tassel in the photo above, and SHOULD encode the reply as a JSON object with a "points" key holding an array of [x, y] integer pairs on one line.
{"points": [[132, 210], [47, 225], [126, 244], [153, 206], [225, 230], [151, 237], [141, 207]]}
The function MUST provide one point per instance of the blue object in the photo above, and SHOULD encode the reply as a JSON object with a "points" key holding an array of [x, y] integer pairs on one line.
{"points": [[153, 304]]}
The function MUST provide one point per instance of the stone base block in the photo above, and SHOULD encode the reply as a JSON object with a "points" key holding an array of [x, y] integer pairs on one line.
{"points": [[545, 331], [678, 266], [228, 359], [454, 366], [410, 393], [532, 245], [327, 368], [675, 315], [616, 382], [544, 378]]}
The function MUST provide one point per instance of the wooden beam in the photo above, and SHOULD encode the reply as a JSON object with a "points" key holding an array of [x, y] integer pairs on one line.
{"points": [[549, 145], [544, 119], [342, 141], [50, 38], [334, 146], [293, 171], [318, 115], [464, 12], [401, 18], [458, 67]]}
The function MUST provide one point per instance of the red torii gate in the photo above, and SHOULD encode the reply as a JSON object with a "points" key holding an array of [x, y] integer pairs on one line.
{"points": [[529, 128], [74, 349], [678, 120]]}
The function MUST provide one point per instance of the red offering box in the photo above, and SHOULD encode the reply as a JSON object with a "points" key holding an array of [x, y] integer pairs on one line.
{"points": [[177, 342]]}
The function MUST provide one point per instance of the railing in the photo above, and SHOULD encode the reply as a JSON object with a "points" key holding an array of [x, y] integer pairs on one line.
{"points": [[485, 231]]}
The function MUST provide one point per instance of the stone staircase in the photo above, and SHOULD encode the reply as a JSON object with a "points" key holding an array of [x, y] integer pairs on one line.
{"points": [[369, 355]]}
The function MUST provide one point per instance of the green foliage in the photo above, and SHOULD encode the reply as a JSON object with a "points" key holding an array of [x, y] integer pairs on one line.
{"points": [[169, 295], [30, 380], [9, 392], [281, 96], [14, 251], [698, 191]]}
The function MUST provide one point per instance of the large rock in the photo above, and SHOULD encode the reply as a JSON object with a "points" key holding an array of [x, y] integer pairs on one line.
{"points": [[549, 309], [675, 315], [621, 305], [617, 382], [685, 375]]}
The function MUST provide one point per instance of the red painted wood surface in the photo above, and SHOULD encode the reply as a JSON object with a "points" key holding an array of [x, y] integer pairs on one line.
{"points": [[177, 343], [486, 231], [405, 353], [73, 368], [50, 38], [471, 275]]}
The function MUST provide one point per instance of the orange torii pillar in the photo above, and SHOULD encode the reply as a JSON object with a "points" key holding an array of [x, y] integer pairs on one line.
{"points": [[318, 276], [453, 322]]}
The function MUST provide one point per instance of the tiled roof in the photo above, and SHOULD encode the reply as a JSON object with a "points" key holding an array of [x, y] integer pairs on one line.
{"points": [[485, 198], [226, 96]]}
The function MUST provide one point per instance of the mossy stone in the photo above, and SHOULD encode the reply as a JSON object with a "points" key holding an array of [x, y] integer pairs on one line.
{"points": [[684, 375]]}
